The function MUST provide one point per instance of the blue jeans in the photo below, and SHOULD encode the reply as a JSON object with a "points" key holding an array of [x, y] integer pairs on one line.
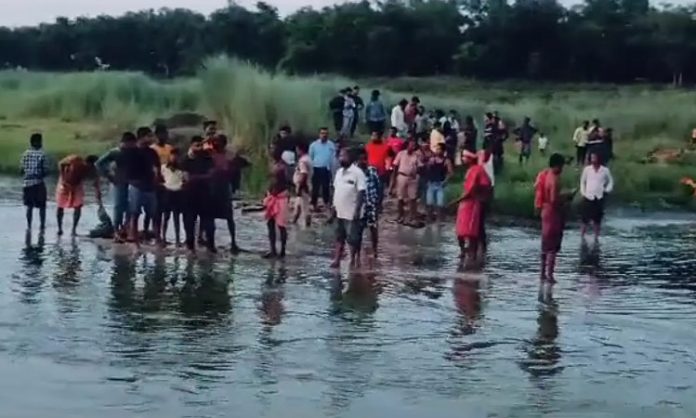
{"points": [[120, 204], [435, 195], [141, 199]]}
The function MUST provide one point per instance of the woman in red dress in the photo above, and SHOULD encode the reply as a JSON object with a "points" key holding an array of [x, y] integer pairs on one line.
{"points": [[477, 189]]}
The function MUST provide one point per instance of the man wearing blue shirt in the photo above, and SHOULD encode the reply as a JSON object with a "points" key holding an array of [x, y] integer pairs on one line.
{"points": [[322, 152]]}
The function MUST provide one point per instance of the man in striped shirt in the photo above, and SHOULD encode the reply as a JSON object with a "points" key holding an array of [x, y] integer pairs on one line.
{"points": [[33, 166]]}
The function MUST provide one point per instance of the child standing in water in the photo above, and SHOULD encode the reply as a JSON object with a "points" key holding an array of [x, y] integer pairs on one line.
{"points": [[172, 198]]}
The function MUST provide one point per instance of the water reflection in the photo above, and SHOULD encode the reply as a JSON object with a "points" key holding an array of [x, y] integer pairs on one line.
{"points": [[467, 299], [466, 292], [272, 295], [590, 258], [68, 265], [31, 278], [358, 294], [204, 298], [543, 353]]}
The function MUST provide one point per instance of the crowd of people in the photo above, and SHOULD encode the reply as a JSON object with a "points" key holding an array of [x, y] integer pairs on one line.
{"points": [[157, 183], [152, 181]]}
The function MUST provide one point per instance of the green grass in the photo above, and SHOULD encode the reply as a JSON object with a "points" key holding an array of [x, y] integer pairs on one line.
{"points": [[86, 112]]}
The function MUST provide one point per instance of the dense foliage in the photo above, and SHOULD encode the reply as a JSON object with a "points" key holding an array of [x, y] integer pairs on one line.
{"points": [[599, 40]]}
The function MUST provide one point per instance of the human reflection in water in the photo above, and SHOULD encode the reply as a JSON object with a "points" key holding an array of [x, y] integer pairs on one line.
{"points": [[543, 353], [589, 257], [68, 265], [122, 284], [204, 298], [467, 299], [349, 373], [32, 277], [272, 294], [270, 311], [360, 293], [466, 292], [155, 282]]}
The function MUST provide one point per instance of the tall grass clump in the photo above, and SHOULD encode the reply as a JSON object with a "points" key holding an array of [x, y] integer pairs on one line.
{"points": [[114, 96], [253, 103]]}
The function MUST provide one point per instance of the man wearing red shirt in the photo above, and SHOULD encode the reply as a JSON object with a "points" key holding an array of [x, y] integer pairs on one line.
{"points": [[378, 156]]}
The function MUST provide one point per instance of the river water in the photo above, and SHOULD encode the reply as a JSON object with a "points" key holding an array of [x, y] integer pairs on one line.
{"points": [[90, 331]]}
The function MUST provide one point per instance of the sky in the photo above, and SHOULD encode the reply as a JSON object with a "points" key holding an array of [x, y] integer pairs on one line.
{"points": [[31, 12]]}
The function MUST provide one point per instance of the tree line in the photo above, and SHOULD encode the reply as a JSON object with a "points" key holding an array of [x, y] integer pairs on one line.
{"points": [[596, 41]]}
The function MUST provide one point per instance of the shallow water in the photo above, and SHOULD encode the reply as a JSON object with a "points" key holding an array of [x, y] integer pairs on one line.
{"points": [[88, 331]]}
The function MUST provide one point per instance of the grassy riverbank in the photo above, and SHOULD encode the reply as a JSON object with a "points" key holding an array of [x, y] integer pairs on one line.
{"points": [[85, 113]]}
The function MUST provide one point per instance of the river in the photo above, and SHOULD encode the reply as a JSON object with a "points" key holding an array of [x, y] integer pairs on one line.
{"points": [[88, 331]]}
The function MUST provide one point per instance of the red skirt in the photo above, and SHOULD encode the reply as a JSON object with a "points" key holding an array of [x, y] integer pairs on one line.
{"points": [[469, 218]]}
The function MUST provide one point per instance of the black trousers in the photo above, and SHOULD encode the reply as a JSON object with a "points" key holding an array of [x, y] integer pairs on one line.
{"points": [[321, 183], [193, 213], [580, 153], [338, 121]]}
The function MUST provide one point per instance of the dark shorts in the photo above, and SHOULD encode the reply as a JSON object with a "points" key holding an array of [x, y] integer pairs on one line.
{"points": [[350, 232], [35, 196], [592, 210], [526, 149], [171, 201]]}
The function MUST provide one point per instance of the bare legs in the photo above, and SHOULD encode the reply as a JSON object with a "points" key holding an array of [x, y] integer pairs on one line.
{"points": [[273, 253], [597, 228], [30, 217], [60, 213], [548, 266]]}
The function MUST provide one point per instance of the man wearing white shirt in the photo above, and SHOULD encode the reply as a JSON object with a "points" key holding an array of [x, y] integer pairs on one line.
{"points": [[398, 118], [350, 185], [595, 183]]}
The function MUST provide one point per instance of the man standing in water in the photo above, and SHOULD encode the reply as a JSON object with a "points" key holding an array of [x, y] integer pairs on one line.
{"points": [[222, 188], [405, 180], [378, 156], [580, 138], [34, 170], [143, 175], [70, 191], [595, 183], [438, 170], [276, 205], [118, 178], [552, 204], [198, 171], [322, 153], [350, 185]]}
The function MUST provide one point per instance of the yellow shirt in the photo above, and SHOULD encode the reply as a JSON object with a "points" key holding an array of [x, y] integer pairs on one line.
{"points": [[580, 136], [436, 138], [163, 152]]}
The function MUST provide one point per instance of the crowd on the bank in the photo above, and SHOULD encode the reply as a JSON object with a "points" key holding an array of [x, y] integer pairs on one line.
{"points": [[413, 161]]}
